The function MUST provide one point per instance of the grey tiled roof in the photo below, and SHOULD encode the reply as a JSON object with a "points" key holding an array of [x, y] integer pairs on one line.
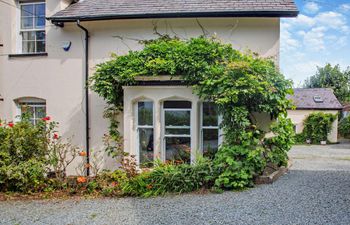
{"points": [[114, 9], [303, 98]]}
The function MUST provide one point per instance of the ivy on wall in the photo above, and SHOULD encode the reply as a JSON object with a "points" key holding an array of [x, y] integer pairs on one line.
{"points": [[317, 126], [239, 83]]}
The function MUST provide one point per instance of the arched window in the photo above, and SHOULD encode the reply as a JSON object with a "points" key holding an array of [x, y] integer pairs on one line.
{"points": [[34, 108]]}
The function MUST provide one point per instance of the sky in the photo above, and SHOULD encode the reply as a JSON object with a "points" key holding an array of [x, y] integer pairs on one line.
{"points": [[320, 34]]}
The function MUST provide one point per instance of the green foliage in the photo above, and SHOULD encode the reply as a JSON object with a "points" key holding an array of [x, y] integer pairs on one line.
{"points": [[22, 156], [317, 126], [331, 77], [29, 152], [282, 141], [344, 127], [300, 138], [237, 165], [171, 178], [107, 183]]}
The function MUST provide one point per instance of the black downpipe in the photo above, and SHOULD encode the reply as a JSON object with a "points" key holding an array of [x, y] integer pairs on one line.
{"points": [[87, 121]]}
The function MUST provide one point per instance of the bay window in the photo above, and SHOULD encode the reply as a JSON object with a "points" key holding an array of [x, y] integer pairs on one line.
{"points": [[32, 26]]}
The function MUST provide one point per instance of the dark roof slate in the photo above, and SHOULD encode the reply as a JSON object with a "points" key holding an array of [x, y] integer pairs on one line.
{"points": [[123, 9], [303, 98]]}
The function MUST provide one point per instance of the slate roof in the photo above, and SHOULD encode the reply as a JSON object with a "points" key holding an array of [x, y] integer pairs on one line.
{"points": [[303, 98], [87, 10]]}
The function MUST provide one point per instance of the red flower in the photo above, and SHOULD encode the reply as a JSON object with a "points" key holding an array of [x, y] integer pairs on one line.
{"points": [[55, 136], [10, 124], [47, 118]]}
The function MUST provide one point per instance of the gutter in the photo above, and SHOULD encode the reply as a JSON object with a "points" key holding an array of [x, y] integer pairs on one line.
{"points": [[87, 121], [57, 19]]}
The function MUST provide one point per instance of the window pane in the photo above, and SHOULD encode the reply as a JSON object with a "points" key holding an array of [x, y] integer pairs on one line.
{"points": [[40, 9], [40, 112], [40, 46], [28, 35], [146, 146], [177, 118], [39, 22], [177, 131], [210, 114], [145, 113], [210, 142], [178, 149], [177, 105], [27, 10], [28, 46], [27, 22], [27, 111]]}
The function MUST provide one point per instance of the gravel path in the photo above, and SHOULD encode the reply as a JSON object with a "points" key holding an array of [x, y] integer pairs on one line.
{"points": [[315, 191]]}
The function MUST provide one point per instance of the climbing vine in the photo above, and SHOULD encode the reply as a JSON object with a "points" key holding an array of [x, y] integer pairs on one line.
{"points": [[239, 83], [317, 126]]}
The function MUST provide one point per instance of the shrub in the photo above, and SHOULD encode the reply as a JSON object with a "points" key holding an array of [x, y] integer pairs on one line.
{"points": [[344, 127], [317, 126], [26, 176], [107, 183], [22, 157], [29, 152], [237, 165]]}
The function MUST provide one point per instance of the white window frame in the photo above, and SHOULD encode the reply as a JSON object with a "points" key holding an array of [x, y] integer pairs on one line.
{"points": [[20, 44], [209, 127], [33, 104], [138, 127], [164, 135]]}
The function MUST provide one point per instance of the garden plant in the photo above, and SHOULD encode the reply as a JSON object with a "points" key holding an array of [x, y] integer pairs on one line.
{"points": [[317, 126]]}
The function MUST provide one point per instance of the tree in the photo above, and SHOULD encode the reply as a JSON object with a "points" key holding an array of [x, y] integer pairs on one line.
{"points": [[331, 77]]}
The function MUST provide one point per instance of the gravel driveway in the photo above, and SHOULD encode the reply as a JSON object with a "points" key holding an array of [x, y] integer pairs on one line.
{"points": [[315, 191]]}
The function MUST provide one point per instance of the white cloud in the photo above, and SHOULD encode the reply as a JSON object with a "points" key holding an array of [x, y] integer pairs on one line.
{"points": [[301, 21], [289, 43], [314, 39], [315, 32], [344, 7], [332, 20], [311, 8]]}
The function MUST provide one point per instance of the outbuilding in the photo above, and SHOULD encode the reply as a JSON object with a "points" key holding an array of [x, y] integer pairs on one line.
{"points": [[310, 100]]}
